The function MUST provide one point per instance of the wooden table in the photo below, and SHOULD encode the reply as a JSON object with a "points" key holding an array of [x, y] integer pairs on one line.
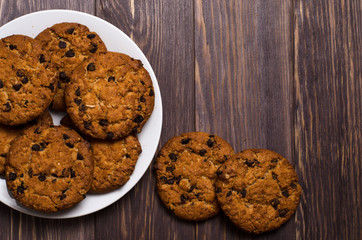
{"points": [[277, 74]]}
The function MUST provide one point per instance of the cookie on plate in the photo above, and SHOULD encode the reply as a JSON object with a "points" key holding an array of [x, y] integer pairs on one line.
{"points": [[27, 87], [110, 96], [49, 168], [186, 172], [258, 190], [8, 134], [114, 161], [67, 45]]}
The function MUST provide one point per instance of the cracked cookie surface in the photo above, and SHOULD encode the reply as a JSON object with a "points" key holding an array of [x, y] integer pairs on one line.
{"points": [[49, 168], [258, 190], [67, 45], [114, 161], [27, 86], [186, 172], [8, 134], [110, 96]]}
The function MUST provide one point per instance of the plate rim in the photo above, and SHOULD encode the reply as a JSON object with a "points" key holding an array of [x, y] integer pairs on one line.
{"points": [[45, 215]]}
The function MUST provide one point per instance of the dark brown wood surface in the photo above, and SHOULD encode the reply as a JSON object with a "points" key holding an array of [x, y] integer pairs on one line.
{"points": [[278, 74]]}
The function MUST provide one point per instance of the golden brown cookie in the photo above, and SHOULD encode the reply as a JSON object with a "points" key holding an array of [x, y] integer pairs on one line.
{"points": [[8, 134], [114, 161], [27, 87], [186, 172], [110, 96], [67, 45], [49, 169], [258, 190]]}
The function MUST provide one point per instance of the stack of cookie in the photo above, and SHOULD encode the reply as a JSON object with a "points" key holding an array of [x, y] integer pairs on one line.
{"points": [[108, 96], [198, 173]]}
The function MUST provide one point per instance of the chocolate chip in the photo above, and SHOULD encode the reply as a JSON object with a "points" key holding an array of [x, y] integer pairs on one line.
{"points": [[63, 76], [80, 156], [285, 193], [210, 143], [163, 179], [35, 147], [70, 30], [142, 99], [20, 73], [139, 108], [17, 87], [151, 92], [12, 47], [20, 189], [138, 119], [217, 190], [59, 84], [91, 67], [62, 44], [274, 160], [25, 80], [12, 176], [170, 181], [243, 192], [183, 199], [70, 53], [283, 212], [94, 48], [77, 101], [51, 87], [70, 145], [110, 135], [30, 172], [111, 79], [91, 35], [172, 156], [251, 163], [228, 194], [191, 188], [82, 107], [202, 152], [1, 84], [103, 122], [293, 185], [54, 175], [275, 202], [42, 58], [72, 173], [128, 156], [142, 82], [61, 197], [169, 169], [274, 176], [87, 125], [178, 179], [41, 178], [218, 172], [7, 107], [77, 92], [65, 136], [134, 130], [185, 140], [43, 145]]}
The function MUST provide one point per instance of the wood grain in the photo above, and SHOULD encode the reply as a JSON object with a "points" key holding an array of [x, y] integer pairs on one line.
{"points": [[15, 225], [163, 30], [243, 90], [327, 117]]}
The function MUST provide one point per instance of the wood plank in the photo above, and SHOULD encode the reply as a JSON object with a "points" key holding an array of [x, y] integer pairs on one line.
{"points": [[163, 31], [15, 225], [327, 117], [243, 85]]}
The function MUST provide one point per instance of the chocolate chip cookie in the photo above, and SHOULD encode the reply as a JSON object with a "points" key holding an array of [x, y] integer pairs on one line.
{"points": [[27, 87], [49, 169], [67, 45], [110, 96], [114, 161], [8, 134], [186, 172], [258, 190]]}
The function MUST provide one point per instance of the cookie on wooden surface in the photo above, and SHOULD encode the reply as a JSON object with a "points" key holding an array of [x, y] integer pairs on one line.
{"points": [[27, 87], [67, 45], [110, 96], [49, 168], [186, 172], [258, 190]]}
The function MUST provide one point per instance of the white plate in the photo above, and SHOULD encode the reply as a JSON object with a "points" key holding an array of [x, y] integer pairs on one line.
{"points": [[117, 41]]}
